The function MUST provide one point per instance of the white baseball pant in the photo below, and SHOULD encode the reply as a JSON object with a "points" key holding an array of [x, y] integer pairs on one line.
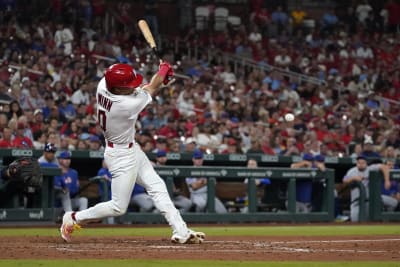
{"points": [[127, 166]]}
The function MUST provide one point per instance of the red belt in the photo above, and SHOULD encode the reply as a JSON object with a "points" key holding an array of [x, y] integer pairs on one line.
{"points": [[111, 144]]}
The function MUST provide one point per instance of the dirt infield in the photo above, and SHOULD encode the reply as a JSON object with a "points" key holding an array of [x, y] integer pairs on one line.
{"points": [[295, 248]]}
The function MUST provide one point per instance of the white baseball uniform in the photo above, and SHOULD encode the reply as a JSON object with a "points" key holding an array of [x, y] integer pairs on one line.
{"points": [[117, 115]]}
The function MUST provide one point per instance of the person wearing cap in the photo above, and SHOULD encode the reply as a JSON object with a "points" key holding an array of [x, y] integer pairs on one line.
{"points": [[198, 188], [369, 149], [360, 174], [190, 145], [37, 123], [180, 201], [121, 96], [95, 143], [304, 187], [67, 185], [48, 156]]}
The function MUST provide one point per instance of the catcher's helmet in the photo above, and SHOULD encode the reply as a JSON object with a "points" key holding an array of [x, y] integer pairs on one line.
{"points": [[122, 76]]}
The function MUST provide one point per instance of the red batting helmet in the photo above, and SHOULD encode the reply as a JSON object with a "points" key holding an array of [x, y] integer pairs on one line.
{"points": [[122, 76]]}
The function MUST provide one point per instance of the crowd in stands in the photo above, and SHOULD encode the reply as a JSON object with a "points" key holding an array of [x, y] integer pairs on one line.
{"points": [[51, 65]]}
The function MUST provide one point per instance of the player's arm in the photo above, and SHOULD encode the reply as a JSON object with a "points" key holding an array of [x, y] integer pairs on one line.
{"points": [[386, 176], [162, 77], [352, 176], [301, 164]]}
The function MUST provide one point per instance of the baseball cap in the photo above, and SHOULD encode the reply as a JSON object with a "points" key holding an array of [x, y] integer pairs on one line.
{"points": [[189, 140], [95, 138], [161, 153], [37, 111], [361, 157], [65, 155], [49, 147], [308, 156], [197, 154], [84, 136]]}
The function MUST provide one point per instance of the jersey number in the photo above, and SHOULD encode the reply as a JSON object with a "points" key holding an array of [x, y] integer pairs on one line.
{"points": [[101, 118]]}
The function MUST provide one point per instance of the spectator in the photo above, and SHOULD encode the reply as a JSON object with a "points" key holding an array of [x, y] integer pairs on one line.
{"points": [[360, 173], [368, 149], [21, 141], [198, 188], [67, 185], [95, 143], [39, 140], [6, 139]]}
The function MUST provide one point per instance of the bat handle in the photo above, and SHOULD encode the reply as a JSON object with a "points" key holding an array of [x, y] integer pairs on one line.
{"points": [[155, 51]]}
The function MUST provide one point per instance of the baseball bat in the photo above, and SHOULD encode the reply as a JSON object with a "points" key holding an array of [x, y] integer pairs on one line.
{"points": [[145, 29]]}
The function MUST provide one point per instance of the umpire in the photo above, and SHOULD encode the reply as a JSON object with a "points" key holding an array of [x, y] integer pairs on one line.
{"points": [[22, 176]]}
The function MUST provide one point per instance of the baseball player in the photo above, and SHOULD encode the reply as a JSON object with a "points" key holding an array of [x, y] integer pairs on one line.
{"points": [[67, 185], [120, 99]]}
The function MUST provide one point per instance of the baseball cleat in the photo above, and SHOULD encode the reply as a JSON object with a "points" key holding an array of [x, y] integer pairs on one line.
{"points": [[191, 238], [68, 226]]}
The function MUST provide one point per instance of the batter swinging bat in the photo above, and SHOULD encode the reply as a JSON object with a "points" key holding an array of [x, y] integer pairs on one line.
{"points": [[144, 28]]}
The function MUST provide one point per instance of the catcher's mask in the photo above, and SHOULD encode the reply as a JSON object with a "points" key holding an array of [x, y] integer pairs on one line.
{"points": [[122, 76]]}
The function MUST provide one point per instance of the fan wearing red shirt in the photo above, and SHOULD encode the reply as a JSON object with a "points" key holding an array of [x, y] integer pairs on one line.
{"points": [[21, 141], [6, 141]]}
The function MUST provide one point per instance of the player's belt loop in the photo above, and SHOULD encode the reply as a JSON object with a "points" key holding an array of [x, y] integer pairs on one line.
{"points": [[111, 144]]}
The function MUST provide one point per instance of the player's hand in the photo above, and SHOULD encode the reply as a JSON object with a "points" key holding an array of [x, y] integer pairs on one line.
{"points": [[169, 79], [163, 69]]}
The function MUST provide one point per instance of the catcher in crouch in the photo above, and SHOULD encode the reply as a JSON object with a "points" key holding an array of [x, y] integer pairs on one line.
{"points": [[23, 175]]}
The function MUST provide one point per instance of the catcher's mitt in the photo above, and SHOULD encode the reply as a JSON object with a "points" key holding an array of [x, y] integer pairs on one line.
{"points": [[27, 171]]}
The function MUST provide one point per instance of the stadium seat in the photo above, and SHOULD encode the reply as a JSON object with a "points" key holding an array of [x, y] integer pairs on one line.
{"points": [[202, 15], [221, 18]]}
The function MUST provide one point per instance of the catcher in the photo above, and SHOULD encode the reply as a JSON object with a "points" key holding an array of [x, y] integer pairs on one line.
{"points": [[23, 175]]}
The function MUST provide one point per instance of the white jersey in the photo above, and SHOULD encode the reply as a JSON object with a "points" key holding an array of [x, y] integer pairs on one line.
{"points": [[117, 114]]}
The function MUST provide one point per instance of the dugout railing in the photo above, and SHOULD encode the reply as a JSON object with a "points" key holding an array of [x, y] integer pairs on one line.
{"points": [[214, 174], [376, 209], [42, 206]]}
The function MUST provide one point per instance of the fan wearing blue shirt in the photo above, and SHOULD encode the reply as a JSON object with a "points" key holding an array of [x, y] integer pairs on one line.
{"points": [[67, 185]]}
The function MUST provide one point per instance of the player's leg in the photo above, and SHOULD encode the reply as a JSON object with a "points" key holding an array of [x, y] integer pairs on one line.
{"points": [[82, 203], [143, 201], [122, 166], [389, 203], [219, 206], [66, 201], [183, 203], [157, 190], [199, 199]]}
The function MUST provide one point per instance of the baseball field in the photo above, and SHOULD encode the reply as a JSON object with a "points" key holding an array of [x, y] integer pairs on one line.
{"points": [[238, 245]]}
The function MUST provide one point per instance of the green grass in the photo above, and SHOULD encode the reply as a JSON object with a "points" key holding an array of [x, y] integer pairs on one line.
{"points": [[185, 263], [312, 230]]}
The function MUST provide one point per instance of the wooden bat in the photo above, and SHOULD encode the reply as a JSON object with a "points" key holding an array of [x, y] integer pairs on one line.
{"points": [[145, 29]]}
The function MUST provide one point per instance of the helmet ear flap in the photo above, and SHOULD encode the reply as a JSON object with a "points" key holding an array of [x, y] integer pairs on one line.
{"points": [[122, 76]]}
